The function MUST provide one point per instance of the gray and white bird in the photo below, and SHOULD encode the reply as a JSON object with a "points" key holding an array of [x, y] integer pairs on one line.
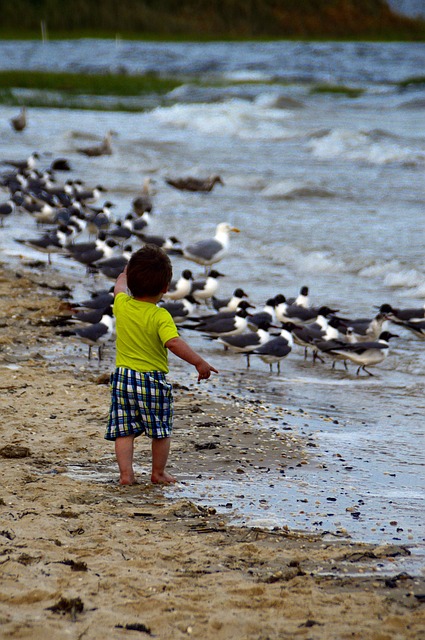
{"points": [[208, 252], [365, 354], [181, 287], [52, 242], [401, 316], [180, 310], [229, 304], [204, 290], [274, 350], [24, 165], [247, 342], [218, 325], [94, 334]]}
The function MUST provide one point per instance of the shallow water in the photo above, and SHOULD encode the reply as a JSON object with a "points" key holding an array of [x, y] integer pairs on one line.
{"points": [[328, 191]]}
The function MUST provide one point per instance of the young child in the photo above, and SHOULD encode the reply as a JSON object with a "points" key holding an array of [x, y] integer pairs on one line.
{"points": [[141, 397]]}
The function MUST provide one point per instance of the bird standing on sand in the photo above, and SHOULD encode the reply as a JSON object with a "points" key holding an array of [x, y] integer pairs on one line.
{"points": [[212, 250], [365, 354], [276, 349], [94, 334], [102, 149], [19, 122], [247, 342], [194, 184]]}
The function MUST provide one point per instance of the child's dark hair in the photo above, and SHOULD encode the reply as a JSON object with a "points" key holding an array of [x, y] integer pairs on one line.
{"points": [[149, 271]]}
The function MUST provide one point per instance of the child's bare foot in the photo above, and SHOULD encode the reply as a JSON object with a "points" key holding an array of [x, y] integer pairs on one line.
{"points": [[163, 478], [127, 480]]}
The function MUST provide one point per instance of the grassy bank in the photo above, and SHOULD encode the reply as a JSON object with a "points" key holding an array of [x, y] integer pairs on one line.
{"points": [[209, 19], [93, 84]]}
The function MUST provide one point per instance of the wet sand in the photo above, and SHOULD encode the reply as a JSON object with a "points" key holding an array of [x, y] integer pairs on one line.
{"points": [[82, 557]]}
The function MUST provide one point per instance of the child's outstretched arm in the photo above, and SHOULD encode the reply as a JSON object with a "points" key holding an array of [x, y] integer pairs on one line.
{"points": [[181, 349], [121, 283]]}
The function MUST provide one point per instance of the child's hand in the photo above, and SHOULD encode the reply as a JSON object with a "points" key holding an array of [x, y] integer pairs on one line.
{"points": [[204, 370]]}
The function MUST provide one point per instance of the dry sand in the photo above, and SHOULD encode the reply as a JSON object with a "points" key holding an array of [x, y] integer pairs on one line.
{"points": [[82, 557]]}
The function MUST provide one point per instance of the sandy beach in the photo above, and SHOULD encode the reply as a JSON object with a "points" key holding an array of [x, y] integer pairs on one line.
{"points": [[82, 557]]}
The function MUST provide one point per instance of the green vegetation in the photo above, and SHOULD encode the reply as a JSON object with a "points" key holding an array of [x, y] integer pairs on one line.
{"points": [[104, 92], [208, 19], [94, 85], [403, 84], [350, 92]]}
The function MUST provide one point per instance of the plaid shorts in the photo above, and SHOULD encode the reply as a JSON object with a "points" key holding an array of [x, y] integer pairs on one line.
{"points": [[140, 403]]}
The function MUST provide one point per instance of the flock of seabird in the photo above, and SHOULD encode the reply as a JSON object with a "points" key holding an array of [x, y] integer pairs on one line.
{"points": [[67, 210]]}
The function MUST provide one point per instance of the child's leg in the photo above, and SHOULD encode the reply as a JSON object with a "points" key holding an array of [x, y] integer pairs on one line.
{"points": [[124, 447], [160, 451]]}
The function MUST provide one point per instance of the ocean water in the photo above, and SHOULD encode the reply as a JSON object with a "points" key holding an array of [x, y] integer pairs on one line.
{"points": [[327, 190]]}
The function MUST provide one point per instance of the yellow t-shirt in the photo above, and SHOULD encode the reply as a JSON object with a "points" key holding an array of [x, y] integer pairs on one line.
{"points": [[142, 330]]}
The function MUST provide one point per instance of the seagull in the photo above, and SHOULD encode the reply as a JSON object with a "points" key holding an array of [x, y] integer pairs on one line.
{"points": [[301, 315], [222, 326], [6, 209], [329, 346], [106, 250], [276, 349], [143, 203], [180, 288], [365, 354], [194, 184], [24, 165], [120, 232], [99, 218], [417, 327], [180, 310], [268, 313], [98, 333], [113, 266], [138, 224], [301, 300], [81, 317], [203, 290], [229, 304], [400, 316], [309, 334], [102, 149], [87, 195], [247, 342], [19, 122], [167, 244], [98, 301], [208, 252], [51, 242], [365, 329]]}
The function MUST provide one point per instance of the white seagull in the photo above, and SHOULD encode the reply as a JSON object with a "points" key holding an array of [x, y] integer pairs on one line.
{"points": [[212, 250], [366, 354]]}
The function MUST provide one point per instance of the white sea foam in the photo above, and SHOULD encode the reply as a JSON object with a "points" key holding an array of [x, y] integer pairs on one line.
{"points": [[407, 278], [360, 146], [312, 262], [379, 269], [239, 118]]}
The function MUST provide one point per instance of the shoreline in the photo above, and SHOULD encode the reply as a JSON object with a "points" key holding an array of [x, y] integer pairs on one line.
{"points": [[86, 557]]}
